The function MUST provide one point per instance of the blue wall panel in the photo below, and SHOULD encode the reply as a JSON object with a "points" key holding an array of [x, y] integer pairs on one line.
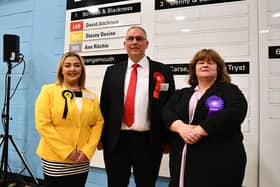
{"points": [[12, 7]]}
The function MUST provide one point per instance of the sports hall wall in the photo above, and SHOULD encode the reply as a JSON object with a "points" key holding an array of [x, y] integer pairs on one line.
{"points": [[245, 33]]}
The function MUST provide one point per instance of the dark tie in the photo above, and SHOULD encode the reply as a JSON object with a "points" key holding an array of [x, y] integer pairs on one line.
{"points": [[130, 97]]}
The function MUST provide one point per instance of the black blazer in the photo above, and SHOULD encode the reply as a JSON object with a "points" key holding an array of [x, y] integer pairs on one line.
{"points": [[112, 103], [218, 159]]}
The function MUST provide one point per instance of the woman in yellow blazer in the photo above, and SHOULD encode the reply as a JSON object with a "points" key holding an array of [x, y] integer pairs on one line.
{"points": [[70, 122]]}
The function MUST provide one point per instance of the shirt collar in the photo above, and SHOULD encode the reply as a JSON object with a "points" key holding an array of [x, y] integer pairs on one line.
{"points": [[144, 62]]}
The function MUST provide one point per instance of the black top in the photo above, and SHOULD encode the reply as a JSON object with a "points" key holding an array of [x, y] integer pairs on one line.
{"points": [[78, 94]]}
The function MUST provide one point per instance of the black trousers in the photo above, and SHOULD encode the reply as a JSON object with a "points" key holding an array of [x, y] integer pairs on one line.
{"points": [[77, 180], [134, 152]]}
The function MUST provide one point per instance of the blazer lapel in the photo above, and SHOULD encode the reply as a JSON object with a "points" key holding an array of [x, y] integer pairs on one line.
{"points": [[200, 107], [185, 104], [86, 100]]}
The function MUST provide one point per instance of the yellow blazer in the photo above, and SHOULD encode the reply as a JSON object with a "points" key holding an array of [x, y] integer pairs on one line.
{"points": [[80, 130]]}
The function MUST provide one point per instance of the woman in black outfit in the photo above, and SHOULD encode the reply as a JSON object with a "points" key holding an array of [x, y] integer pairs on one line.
{"points": [[206, 148]]}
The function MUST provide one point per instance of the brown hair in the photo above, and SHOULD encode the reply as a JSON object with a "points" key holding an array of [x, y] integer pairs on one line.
{"points": [[59, 75], [222, 74]]}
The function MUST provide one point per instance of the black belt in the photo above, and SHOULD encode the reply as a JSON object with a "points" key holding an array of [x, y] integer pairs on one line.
{"points": [[133, 132]]}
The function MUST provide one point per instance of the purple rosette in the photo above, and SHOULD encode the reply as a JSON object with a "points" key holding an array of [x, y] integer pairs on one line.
{"points": [[214, 104]]}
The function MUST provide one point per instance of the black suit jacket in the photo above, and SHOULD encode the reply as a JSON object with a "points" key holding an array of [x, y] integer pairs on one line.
{"points": [[112, 103], [218, 159]]}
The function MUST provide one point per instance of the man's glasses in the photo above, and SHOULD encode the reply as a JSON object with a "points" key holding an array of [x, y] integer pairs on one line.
{"points": [[137, 38]]}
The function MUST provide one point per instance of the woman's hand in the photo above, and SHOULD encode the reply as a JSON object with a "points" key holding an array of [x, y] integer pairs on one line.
{"points": [[199, 130], [186, 131], [191, 136], [81, 157], [73, 155], [77, 156]]}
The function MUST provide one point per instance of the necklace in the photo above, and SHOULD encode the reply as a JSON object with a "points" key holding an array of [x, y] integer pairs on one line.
{"points": [[73, 88]]}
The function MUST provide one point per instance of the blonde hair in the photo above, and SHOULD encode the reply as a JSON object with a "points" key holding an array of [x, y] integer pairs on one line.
{"points": [[59, 75], [222, 74]]}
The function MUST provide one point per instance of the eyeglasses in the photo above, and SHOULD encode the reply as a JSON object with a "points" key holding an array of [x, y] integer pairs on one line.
{"points": [[137, 38]]}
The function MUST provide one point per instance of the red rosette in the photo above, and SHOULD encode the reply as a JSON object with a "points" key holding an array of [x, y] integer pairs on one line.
{"points": [[158, 78]]}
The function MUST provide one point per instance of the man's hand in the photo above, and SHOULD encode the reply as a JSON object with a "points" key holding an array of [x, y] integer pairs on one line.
{"points": [[165, 148], [100, 146]]}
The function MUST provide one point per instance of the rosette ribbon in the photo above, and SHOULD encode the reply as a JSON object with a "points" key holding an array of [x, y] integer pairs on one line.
{"points": [[158, 78], [214, 104], [67, 95]]}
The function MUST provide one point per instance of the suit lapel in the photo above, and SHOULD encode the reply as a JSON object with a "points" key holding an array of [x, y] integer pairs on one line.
{"points": [[120, 72], [151, 86], [151, 80]]}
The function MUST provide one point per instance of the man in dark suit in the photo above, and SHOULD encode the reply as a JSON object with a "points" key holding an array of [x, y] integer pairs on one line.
{"points": [[133, 136]]}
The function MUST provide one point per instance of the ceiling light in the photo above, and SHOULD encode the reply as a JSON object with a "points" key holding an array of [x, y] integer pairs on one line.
{"points": [[264, 31], [185, 30], [180, 17], [276, 15]]}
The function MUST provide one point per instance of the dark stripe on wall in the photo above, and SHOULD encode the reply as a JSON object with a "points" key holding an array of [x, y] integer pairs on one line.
{"points": [[164, 4], [273, 52], [107, 11], [71, 4], [232, 68], [105, 59]]}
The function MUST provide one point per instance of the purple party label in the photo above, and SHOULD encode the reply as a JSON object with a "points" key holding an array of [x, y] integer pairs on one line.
{"points": [[214, 104]]}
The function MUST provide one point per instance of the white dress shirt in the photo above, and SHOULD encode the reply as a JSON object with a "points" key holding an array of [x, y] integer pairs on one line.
{"points": [[141, 120]]}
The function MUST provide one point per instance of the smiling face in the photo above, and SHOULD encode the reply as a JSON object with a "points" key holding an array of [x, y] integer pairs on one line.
{"points": [[207, 65], [136, 43], [71, 70], [206, 69]]}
